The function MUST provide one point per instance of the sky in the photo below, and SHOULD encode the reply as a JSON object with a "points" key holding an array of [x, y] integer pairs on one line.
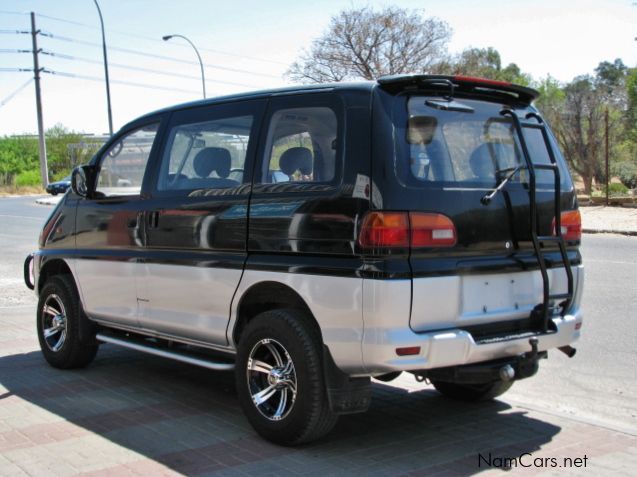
{"points": [[248, 45]]}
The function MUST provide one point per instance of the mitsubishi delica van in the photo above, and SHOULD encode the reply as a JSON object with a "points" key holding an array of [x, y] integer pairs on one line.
{"points": [[312, 238]]}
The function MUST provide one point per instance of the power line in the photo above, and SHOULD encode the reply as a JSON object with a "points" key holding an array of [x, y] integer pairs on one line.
{"points": [[15, 32], [15, 93], [7, 12], [126, 83], [157, 40], [7, 50], [151, 55], [138, 68], [16, 70]]}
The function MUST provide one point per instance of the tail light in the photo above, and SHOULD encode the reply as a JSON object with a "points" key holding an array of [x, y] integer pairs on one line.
{"points": [[432, 230], [384, 229], [570, 225], [404, 229]]}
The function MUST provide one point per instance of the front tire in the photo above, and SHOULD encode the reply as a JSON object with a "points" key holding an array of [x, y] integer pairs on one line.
{"points": [[472, 392], [58, 325], [279, 378]]}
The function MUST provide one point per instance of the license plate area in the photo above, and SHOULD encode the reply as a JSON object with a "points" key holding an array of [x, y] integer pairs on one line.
{"points": [[511, 295]]}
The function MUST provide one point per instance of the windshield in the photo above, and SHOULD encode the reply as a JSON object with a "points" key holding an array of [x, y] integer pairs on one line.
{"points": [[470, 145]]}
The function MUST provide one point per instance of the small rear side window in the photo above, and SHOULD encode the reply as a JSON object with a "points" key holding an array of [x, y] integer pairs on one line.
{"points": [[301, 146]]}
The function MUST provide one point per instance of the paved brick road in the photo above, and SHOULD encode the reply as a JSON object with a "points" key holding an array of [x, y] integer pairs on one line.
{"points": [[130, 414]]}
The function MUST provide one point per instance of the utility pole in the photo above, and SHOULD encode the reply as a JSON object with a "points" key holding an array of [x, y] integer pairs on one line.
{"points": [[108, 87], [607, 164], [44, 170]]}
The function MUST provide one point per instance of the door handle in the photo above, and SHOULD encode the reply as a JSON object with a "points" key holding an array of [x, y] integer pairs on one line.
{"points": [[153, 219]]}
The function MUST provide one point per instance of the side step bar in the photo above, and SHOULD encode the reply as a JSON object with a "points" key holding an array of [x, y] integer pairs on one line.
{"points": [[177, 356]]}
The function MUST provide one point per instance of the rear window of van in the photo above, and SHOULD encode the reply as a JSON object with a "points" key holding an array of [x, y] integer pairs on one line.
{"points": [[469, 145]]}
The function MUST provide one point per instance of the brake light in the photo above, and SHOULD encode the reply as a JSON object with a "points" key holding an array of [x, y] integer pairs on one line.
{"points": [[403, 229], [432, 230], [570, 225], [384, 229], [475, 79]]}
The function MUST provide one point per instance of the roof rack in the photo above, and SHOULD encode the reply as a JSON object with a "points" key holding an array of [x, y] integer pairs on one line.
{"points": [[395, 83]]}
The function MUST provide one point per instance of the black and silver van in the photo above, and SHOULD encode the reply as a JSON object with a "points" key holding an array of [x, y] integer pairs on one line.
{"points": [[312, 238]]}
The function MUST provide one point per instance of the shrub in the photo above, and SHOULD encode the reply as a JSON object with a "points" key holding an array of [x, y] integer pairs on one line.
{"points": [[627, 173], [28, 178], [615, 189], [58, 176]]}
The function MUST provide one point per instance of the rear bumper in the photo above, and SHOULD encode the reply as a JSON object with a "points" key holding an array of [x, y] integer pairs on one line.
{"points": [[443, 331], [455, 347]]}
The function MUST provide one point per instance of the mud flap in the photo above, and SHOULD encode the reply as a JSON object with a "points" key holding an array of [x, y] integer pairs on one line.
{"points": [[345, 394]]}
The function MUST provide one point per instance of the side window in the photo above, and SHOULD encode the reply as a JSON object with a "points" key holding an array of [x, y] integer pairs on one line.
{"points": [[122, 167], [301, 146], [206, 155]]}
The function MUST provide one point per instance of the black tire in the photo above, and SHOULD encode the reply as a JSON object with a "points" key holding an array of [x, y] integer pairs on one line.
{"points": [[54, 192], [63, 348], [472, 392], [294, 338]]}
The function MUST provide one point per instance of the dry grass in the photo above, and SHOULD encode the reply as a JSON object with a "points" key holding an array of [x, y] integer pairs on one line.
{"points": [[24, 190]]}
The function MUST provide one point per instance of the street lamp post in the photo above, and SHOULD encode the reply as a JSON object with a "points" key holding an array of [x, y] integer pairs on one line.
{"points": [[203, 78], [108, 88]]}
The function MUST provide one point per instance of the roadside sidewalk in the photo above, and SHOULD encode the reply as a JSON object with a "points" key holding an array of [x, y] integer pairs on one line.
{"points": [[130, 414], [612, 220]]}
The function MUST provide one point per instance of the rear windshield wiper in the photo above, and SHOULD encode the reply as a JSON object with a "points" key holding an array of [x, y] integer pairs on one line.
{"points": [[486, 199], [449, 105]]}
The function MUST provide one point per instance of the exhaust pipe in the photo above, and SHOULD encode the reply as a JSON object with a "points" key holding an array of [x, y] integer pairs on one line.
{"points": [[507, 373], [568, 350]]}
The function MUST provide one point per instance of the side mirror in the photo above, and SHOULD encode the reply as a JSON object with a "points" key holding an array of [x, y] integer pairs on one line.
{"points": [[82, 180]]}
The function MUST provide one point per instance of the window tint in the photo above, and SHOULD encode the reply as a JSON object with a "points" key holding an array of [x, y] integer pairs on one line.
{"points": [[539, 154], [475, 148], [487, 152], [206, 155], [123, 165], [301, 146]]}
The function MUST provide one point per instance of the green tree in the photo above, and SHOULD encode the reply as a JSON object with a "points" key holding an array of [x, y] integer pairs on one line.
{"points": [[58, 139], [484, 63], [631, 110], [366, 44], [17, 154]]}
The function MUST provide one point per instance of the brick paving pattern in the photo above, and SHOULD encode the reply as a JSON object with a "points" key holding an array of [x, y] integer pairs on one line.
{"points": [[130, 414]]}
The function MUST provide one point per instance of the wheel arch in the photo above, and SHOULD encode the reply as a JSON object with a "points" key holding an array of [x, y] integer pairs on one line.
{"points": [[265, 296], [52, 267]]}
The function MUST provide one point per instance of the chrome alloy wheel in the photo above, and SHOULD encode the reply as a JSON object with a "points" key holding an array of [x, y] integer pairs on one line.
{"points": [[54, 322], [271, 379]]}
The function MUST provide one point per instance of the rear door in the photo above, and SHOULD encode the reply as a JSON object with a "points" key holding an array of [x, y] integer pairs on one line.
{"points": [[196, 220], [446, 162]]}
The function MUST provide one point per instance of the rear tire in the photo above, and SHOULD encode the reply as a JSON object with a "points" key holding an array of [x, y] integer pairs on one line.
{"points": [[58, 325], [472, 392], [279, 378]]}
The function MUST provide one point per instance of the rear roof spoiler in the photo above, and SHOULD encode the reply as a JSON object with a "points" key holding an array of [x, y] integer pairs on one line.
{"points": [[468, 84]]}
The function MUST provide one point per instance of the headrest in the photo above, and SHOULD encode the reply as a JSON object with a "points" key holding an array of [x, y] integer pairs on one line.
{"points": [[481, 161], [212, 159], [296, 159]]}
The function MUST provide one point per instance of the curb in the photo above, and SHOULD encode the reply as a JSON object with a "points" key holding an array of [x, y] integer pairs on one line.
{"points": [[48, 200], [629, 233]]}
